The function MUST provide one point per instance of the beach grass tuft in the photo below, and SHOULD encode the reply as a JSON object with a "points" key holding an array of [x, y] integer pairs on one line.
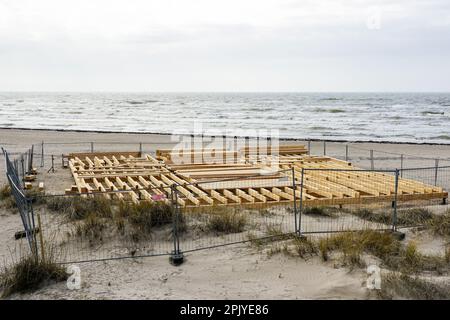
{"points": [[403, 286], [5, 192], [227, 222], [30, 273]]}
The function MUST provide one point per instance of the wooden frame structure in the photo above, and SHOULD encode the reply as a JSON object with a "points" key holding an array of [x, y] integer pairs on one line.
{"points": [[250, 177]]}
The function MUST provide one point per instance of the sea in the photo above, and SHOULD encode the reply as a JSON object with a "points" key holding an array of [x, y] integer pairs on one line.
{"points": [[390, 117]]}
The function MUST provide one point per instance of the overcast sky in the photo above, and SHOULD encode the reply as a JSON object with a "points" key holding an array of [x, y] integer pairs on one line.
{"points": [[228, 45]]}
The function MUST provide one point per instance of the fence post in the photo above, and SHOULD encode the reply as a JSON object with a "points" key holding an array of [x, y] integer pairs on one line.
{"points": [[140, 148], [23, 170], [32, 226], [295, 200], [176, 258], [42, 154], [52, 168], [401, 165], [346, 152], [30, 160], [41, 237], [224, 147], [436, 166], [301, 203], [92, 147], [372, 166], [394, 204], [309, 147], [324, 148]]}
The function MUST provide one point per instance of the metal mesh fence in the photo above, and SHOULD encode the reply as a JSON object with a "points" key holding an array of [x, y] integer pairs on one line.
{"points": [[16, 177], [100, 226], [353, 196], [215, 226], [373, 158]]}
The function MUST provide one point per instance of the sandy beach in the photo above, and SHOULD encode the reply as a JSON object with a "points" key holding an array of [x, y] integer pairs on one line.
{"points": [[233, 272]]}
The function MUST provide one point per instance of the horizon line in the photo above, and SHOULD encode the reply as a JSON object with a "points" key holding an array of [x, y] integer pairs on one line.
{"points": [[218, 91]]}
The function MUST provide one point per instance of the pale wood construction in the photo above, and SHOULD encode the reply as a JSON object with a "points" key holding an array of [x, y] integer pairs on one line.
{"points": [[253, 176]]}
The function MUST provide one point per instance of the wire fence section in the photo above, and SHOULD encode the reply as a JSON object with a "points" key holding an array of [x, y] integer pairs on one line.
{"points": [[367, 157], [16, 175], [184, 217], [99, 226], [340, 200]]}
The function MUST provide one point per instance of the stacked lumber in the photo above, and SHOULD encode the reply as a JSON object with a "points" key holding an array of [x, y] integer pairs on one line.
{"points": [[324, 181], [198, 156], [278, 150]]}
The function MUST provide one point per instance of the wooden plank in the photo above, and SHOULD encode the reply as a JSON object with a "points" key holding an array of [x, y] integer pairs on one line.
{"points": [[257, 195], [282, 194], [244, 195], [218, 196], [230, 195], [269, 194]]}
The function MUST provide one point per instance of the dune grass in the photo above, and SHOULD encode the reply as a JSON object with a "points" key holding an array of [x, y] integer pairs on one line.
{"points": [[5, 192], [440, 224], [6, 197], [354, 244], [320, 211], [403, 286], [29, 273], [78, 208], [384, 246], [227, 221], [408, 217]]}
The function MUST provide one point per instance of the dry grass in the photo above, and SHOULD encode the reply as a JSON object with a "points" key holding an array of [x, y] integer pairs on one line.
{"points": [[93, 216], [29, 273], [320, 211], [401, 286], [37, 197], [92, 227], [440, 224], [227, 221], [304, 247], [147, 215], [409, 217], [5, 192], [384, 246], [78, 208], [353, 244], [6, 197]]}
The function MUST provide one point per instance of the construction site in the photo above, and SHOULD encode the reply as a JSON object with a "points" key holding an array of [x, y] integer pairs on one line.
{"points": [[207, 177], [97, 204]]}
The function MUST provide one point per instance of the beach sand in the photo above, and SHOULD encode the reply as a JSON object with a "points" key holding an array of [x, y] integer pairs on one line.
{"points": [[233, 272]]}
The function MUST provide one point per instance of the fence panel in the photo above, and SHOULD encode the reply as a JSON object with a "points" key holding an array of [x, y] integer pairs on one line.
{"points": [[79, 228], [15, 176], [239, 213], [353, 205], [438, 177]]}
